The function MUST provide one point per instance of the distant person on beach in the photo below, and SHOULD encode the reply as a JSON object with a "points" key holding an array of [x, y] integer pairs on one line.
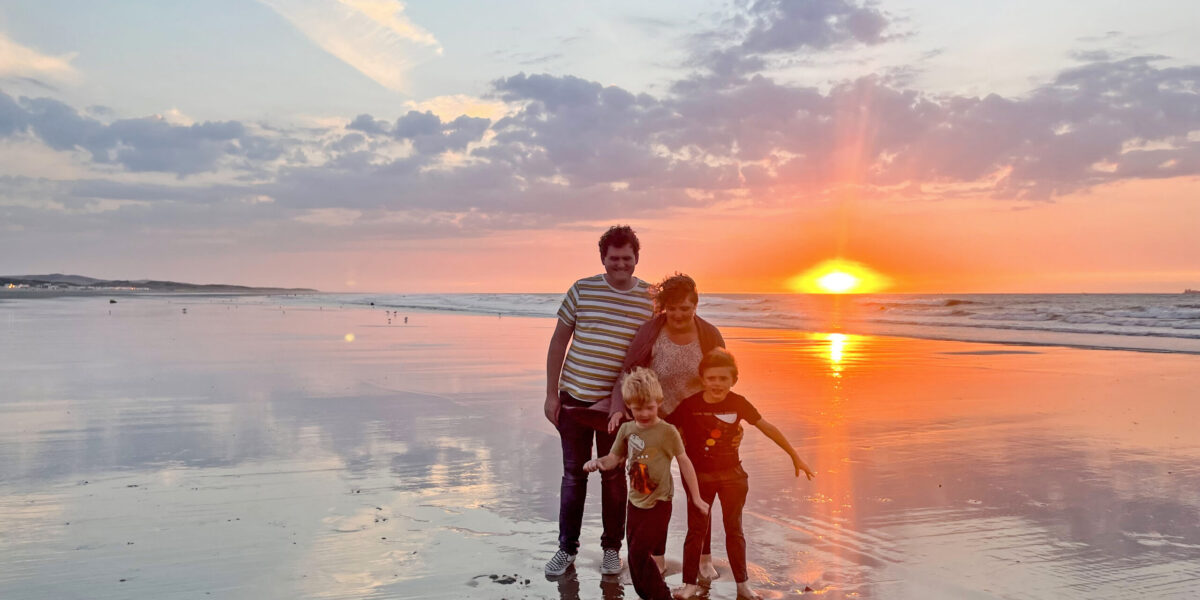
{"points": [[707, 421], [671, 344], [650, 444], [596, 322]]}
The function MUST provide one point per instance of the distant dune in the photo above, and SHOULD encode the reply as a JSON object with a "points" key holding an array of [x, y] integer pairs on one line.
{"points": [[80, 283]]}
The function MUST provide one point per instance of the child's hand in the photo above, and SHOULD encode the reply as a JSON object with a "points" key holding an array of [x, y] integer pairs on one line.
{"points": [[800, 466], [591, 465], [702, 505]]}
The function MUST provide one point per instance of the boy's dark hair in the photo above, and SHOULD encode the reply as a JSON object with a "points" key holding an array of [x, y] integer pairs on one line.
{"points": [[672, 289], [718, 357], [617, 236]]}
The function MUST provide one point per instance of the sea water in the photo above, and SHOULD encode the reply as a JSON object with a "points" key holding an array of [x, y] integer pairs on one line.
{"points": [[1145, 322]]}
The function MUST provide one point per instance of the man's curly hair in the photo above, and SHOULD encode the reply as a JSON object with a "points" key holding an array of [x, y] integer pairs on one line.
{"points": [[619, 236]]}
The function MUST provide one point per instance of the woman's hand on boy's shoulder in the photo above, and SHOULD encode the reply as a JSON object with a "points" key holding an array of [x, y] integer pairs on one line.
{"points": [[614, 422]]}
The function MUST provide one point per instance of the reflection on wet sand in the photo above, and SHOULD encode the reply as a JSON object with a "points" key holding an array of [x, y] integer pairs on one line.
{"points": [[611, 587], [247, 454], [937, 474]]}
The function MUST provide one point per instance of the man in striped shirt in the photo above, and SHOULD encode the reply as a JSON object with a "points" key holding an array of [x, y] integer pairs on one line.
{"points": [[596, 322]]}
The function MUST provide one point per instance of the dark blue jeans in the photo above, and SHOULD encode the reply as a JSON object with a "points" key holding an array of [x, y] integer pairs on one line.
{"points": [[577, 441]]}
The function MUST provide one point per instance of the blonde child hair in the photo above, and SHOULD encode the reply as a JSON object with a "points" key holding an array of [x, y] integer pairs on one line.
{"points": [[641, 386]]}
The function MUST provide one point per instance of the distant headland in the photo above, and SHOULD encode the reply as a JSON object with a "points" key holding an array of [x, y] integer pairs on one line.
{"points": [[59, 284]]}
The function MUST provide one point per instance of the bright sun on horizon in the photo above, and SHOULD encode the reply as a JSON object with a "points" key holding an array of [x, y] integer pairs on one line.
{"points": [[838, 282], [839, 276]]}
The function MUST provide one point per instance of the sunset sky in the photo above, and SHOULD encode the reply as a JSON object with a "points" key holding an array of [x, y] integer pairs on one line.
{"points": [[447, 146]]}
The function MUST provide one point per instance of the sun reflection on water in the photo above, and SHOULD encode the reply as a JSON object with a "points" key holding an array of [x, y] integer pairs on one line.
{"points": [[837, 346], [839, 352]]}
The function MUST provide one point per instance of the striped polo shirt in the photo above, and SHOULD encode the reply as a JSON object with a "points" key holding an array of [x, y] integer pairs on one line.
{"points": [[605, 320]]}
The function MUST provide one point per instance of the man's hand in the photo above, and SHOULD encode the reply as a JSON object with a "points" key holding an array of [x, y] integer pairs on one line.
{"points": [[553, 404], [700, 504], [614, 422]]}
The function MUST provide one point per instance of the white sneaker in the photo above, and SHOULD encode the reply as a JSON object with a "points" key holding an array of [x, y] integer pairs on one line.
{"points": [[611, 565], [559, 563]]}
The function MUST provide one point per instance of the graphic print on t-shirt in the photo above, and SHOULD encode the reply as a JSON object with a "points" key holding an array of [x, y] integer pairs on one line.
{"points": [[721, 430], [639, 474]]}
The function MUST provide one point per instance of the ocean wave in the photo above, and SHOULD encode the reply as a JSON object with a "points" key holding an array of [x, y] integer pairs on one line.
{"points": [[920, 302], [931, 312], [1155, 313], [1017, 316], [1049, 318], [1020, 327]]}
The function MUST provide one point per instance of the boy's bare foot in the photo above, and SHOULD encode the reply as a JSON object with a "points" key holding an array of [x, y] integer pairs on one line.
{"points": [[687, 591], [744, 591], [707, 570], [661, 561]]}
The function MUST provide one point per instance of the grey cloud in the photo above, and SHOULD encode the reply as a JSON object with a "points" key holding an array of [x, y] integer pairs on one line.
{"points": [[348, 143], [62, 128], [13, 118], [368, 124], [146, 144], [552, 92], [31, 81], [154, 145], [773, 30], [1072, 133], [584, 131], [417, 124], [1053, 138], [790, 25], [428, 134], [464, 130]]}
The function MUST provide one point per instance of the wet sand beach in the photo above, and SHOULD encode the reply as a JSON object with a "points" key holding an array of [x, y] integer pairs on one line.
{"points": [[247, 449]]}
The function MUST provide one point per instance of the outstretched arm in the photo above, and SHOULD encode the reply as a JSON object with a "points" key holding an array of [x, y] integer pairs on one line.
{"points": [[554, 364], [776, 436], [604, 463], [689, 479]]}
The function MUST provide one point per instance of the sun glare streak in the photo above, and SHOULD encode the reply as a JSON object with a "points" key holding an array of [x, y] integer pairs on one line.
{"points": [[837, 343], [839, 276]]}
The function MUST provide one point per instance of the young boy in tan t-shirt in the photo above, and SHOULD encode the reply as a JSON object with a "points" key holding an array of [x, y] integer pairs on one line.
{"points": [[650, 444]]}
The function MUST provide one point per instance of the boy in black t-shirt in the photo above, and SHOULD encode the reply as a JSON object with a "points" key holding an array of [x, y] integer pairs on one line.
{"points": [[708, 422]]}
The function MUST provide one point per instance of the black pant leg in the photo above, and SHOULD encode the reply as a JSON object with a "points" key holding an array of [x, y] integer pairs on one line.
{"points": [[645, 525], [733, 499], [699, 529]]}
